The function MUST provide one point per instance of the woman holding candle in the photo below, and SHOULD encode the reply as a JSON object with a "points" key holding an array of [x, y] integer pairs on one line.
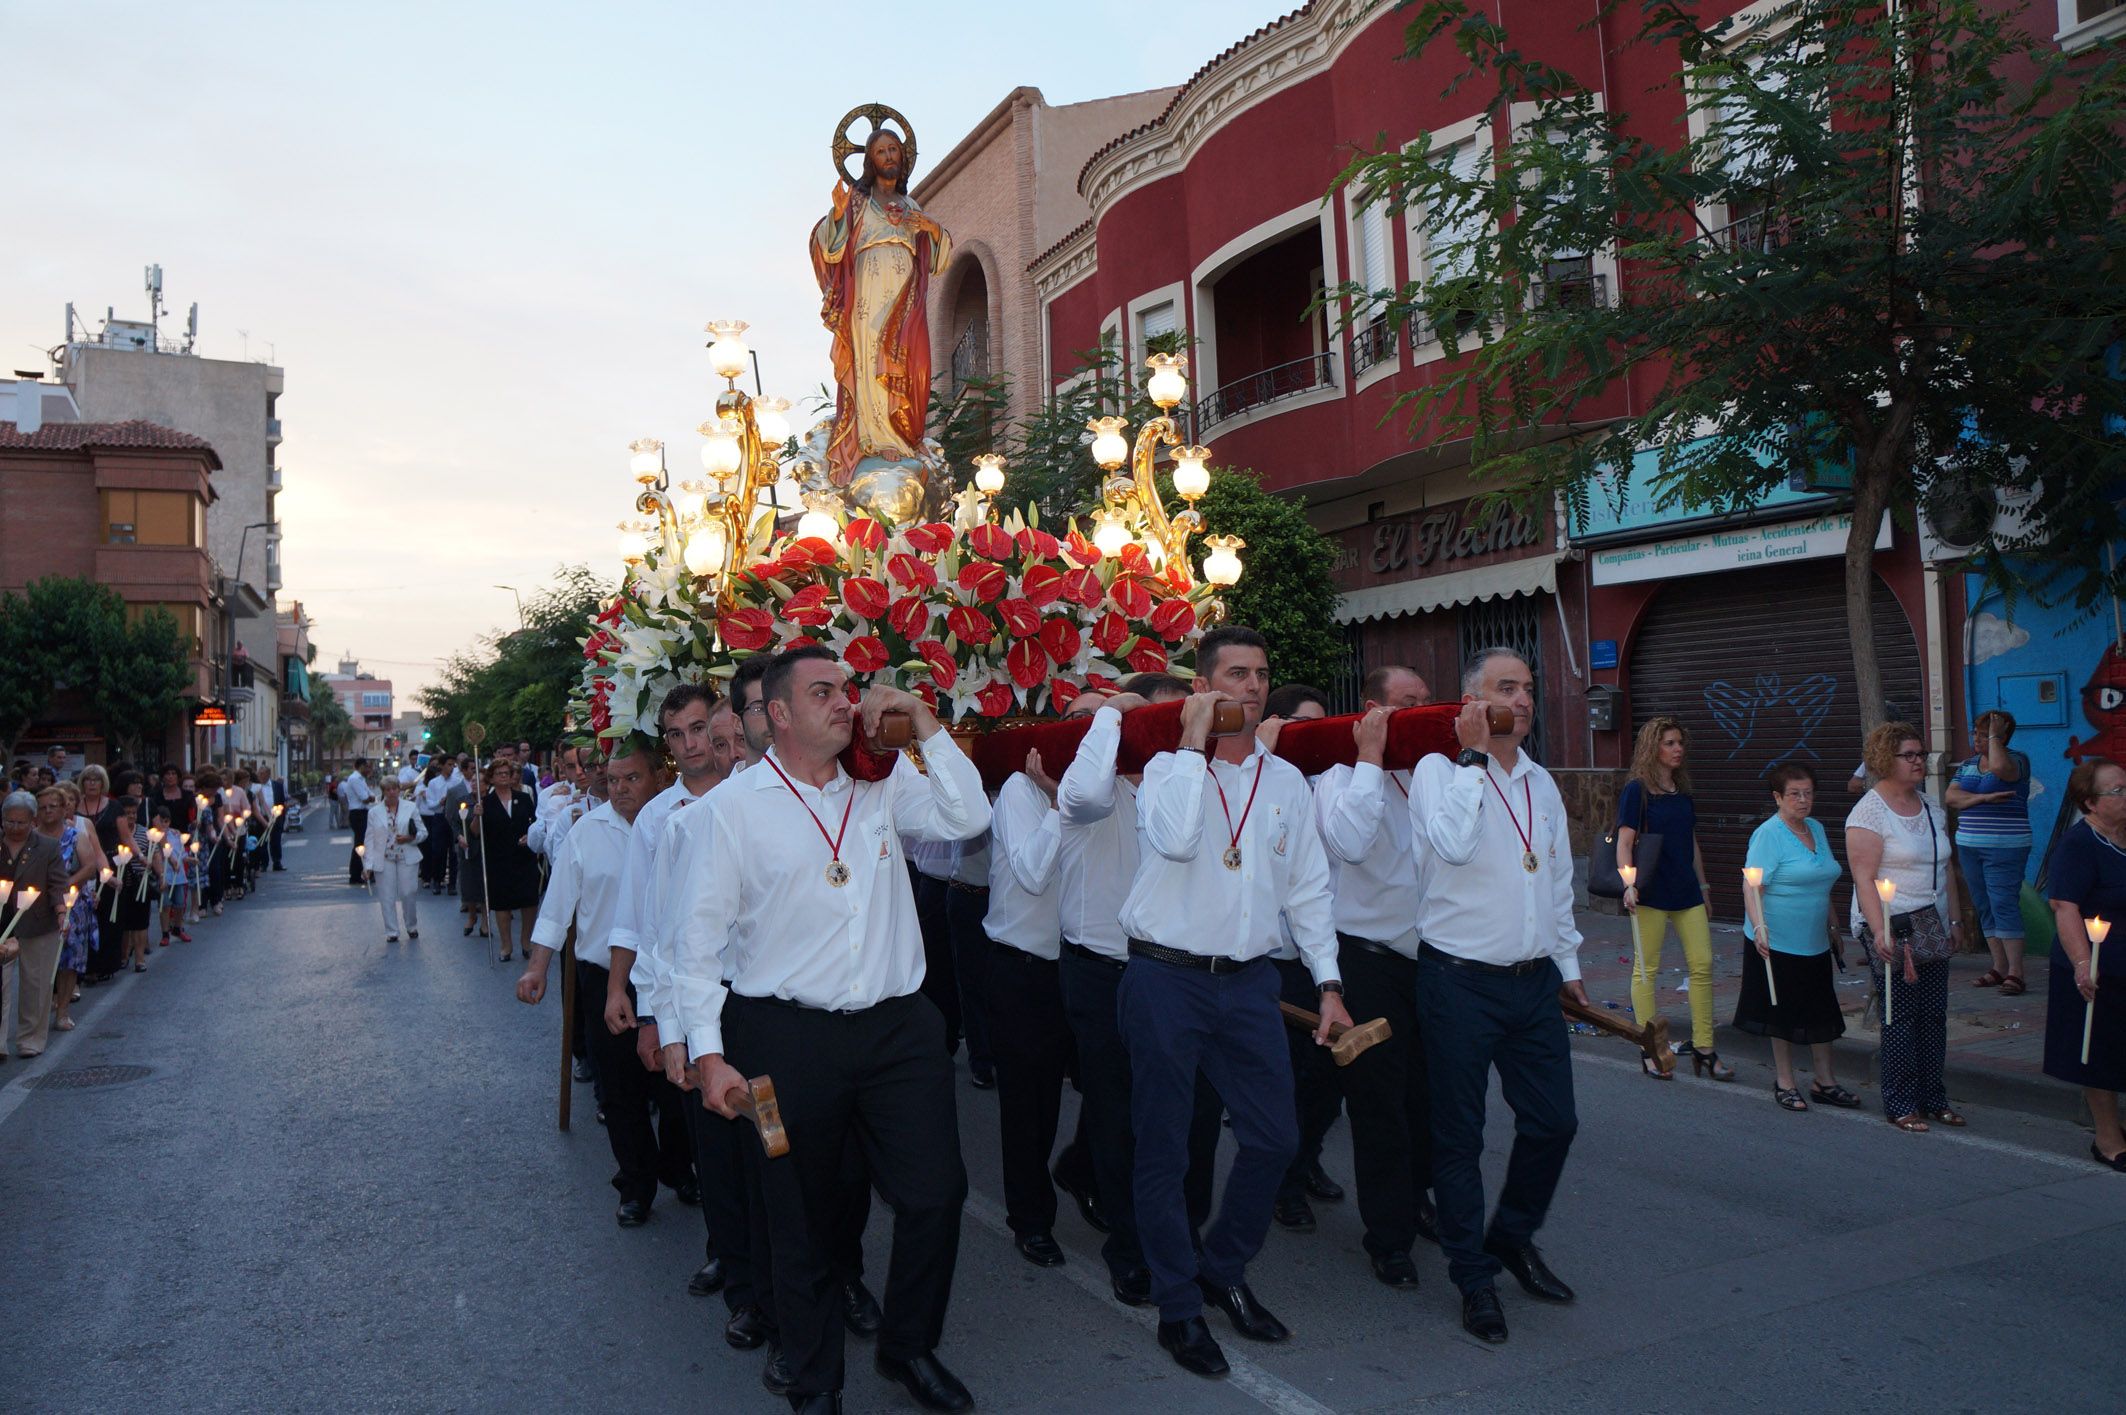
{"points": [[2087, 992], [95, 786], [1991, 796], [138, 884], [1672, 890], [1788, 992], [78, 841], [36, 879], [512, 868], [1897, 837]]}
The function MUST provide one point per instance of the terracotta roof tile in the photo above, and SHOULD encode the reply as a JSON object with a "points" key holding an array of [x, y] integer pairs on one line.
{"points": [[75, 437]]}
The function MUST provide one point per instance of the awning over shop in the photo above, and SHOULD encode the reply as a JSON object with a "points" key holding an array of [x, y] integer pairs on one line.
{"points": [[1536, 575]]}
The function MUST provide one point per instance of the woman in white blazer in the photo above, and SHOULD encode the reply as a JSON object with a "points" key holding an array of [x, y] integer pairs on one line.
{"points": [[392, 858]]}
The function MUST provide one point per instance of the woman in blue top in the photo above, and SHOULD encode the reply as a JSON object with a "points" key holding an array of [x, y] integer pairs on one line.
{"points": [[1790, 922], [1671, 890], [1991, 796]]}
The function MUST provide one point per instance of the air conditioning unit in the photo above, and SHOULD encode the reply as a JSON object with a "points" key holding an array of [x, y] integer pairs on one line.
{"points": [[1957, 517]]}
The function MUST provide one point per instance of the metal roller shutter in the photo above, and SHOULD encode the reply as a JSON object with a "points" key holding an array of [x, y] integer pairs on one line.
{"points": [[1758, 667]]}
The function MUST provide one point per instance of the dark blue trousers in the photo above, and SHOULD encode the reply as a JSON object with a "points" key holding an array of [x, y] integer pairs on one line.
{"points": [[1176, 1020], [1473, 1020]]}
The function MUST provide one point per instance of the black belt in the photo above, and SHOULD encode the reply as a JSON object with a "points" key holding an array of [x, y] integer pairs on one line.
{"points": [[1182, 958], [1079, 950], [1012, 953], [808, 1007], [968, 888], [1367, 945], [1526, 966]]}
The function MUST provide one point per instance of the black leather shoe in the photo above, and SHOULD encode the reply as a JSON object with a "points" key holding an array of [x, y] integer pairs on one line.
{"points": [[1088, 1206], [1427, 1220], [1294, 1214], [825, 1403], [1482, 1317], [775, 1376], [582, 1071], [1528, 1270], [1397, 1271], [1040, 1249], [707, 1279], [688, 1192], [746, 1328], [860, 1311], [1322, 1187], [632, 1213], [1250, 1318], [1193, 1347], [926, 1379], [984, 1077], [1132, 1288]]}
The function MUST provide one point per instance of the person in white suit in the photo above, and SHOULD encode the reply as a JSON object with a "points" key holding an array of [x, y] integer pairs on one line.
{"points": [[392, 858]]}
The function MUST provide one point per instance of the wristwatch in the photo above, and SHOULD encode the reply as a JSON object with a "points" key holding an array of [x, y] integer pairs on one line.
{"points": [[1471, 757], [1332, 986]]}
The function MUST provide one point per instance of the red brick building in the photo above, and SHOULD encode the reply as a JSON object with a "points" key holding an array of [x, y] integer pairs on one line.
{"points": [[123, 504]]}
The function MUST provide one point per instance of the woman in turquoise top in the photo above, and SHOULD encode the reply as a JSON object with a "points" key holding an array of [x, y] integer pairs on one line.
{"points": [[1790, 924]]}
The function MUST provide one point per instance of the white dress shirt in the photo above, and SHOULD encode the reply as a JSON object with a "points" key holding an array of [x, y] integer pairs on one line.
{"points": [[355, 793], [934, 858], [635, 922], [1476, 900], [1096, 861], [761, 912], [1184, 896], [560, 806], [1024, 833], [1364, 819], [409, 775], [585, 887], [970, 862]]}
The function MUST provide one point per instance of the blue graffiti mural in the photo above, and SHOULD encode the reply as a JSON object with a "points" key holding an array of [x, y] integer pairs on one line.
{"points": [[1786, 713]]}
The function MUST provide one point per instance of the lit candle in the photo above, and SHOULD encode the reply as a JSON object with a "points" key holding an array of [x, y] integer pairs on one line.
{"points": [[277, 811], [1753, 886], [361, 852], [1887, 890], [1630, 875], [2098, 930], [24, 899]]}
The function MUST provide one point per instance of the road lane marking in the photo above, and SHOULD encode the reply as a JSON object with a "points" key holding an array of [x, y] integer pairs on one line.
{"points": [[1246, 1377]]}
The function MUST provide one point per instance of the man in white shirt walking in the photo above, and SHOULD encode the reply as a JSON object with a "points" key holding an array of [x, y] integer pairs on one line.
{"points": [[801, 959], [1232, 857], [356, 794], [1494, 871]]}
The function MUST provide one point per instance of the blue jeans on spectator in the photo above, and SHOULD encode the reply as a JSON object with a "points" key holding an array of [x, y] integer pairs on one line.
{"points": [[1995, 875]]}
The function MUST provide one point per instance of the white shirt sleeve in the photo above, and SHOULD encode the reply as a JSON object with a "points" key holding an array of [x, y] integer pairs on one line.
{"points": [[1170, 804], [1087, 791], [1446, 808], [949, 803], [1026, 834], [1349, 804], [564, 889], [702, 916], [1309, 906]]}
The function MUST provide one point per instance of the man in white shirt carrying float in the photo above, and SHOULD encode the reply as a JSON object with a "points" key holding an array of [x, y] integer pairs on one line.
{"points": [[1231, 853], [1494, 868], [800, 899]]}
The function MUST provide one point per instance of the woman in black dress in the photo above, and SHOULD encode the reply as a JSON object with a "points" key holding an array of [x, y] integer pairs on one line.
{"points": [[2089, 882], [512, 867]]}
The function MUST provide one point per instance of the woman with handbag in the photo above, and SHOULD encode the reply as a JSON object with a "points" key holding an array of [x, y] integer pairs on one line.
{"points": [[1657, 832], [1899, 834], [1790, 924]]}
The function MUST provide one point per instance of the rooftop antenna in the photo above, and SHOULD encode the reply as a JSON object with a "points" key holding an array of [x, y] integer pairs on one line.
{"points": [[245, 335], [154, 284], [192, 327]]}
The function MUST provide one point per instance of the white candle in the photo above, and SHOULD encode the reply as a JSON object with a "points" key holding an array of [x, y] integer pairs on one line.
{"points": [[1630, 875], [1887, 890], [2098, 931], [26, 898], [1753, 886]]}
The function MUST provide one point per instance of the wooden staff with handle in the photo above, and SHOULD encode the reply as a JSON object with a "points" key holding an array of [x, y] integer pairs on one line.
{"points": [[475, 734], [1345, 1043], [757, 1104], [568, 1018], [1651, 1039]]}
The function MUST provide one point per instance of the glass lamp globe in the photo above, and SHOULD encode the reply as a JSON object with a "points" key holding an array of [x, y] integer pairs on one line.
{"points": [[633, 544], [1192, 477], [1221, 565], [772, 417], [728, 354], [645, 459], [691, 502], [1168, 384], [720, 454], [989, 473], [1110, 533], [1110, 447], [705, 549], [819, 523]]}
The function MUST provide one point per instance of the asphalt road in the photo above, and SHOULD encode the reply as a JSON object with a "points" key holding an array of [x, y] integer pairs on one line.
{"points": [[339, 1187]]}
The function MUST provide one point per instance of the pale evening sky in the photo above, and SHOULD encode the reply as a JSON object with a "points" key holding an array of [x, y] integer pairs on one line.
{"points": [[482, 239]]}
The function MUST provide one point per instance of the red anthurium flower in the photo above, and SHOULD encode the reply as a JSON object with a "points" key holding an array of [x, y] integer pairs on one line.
{"points": [[1027, 663], [808, 553], [613, 613], [866, 653], [1133, 559], [944, 672], [864, 533], [1081, 550], [808, 607], [1020, 617], [1147, 657], [971, 625], [1109, 632], [750, 628], [1038, 545], [983, 580], [1177, 576], [991, 541], [1083, 587], [909, 616], [1062, 692], [914, 573], [994, 700], [930, 538], [1101, 681], [1061, 639], [1130, 596], [1172, 620], [866, 597], [1042, 584], [928, 694], [802, 641]]}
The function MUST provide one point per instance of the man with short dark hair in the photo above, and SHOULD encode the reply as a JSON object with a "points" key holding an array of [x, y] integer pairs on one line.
{"points": [[355, 794]]}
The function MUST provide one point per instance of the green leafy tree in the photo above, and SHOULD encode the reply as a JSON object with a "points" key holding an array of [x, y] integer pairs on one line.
{"points": [[66, 634], [1912, 292], [32, 670], [1285, 590], [517, 684], [143, 670], [332, 731]]}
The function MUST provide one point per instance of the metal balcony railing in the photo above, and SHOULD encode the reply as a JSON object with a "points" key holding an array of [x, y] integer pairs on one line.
{"points": [[1372, 345], [1583, 290], [1272, 385], [970, 357], [273, 429]]}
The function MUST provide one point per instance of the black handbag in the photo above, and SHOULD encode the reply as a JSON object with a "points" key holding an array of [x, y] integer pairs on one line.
{"points": [[1603, 879]]}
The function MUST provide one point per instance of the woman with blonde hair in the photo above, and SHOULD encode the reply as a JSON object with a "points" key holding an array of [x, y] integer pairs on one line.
{"points": [[1657, 833]]}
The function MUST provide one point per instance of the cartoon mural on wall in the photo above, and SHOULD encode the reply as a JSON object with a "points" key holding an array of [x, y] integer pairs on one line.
{"points": [[2104, 705]]}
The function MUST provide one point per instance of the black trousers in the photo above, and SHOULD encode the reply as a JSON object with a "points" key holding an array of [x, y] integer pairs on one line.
{"points": [[941, 979], [359, 822], [1032, 1038], [881, 1076], [1088, 984], [645, 1119], [587, 1023], [1388, 1092], [435, 851], [1317, 1091], [273, 840], [1474, 1020], [965, 909]]}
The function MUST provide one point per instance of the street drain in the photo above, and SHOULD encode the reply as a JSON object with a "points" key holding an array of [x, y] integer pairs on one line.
{"points": [[89, 1076]]}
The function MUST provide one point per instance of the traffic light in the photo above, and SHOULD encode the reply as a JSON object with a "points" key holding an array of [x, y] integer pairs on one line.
{"points": [[427, 735]]}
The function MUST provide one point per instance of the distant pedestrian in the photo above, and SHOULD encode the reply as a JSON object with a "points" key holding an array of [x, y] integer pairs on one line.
{"points": [[1671, 889], [1897, 833], [356, 794], [2088, 881], [1991, 795], [512, 868], [1790, 925]]}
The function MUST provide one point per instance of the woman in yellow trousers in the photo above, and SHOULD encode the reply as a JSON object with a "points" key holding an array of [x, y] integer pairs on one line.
{"points": [[1670, 888]]}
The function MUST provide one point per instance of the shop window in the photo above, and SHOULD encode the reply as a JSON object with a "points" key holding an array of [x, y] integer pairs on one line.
{"points": [[1515, 624]]}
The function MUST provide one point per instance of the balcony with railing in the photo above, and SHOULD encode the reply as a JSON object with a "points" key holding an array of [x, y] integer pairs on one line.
{"points": [[273, 432], [1574, 289], [1374, 344], [1270, 386]]}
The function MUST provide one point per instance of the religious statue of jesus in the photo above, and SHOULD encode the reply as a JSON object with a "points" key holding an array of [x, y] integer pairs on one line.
{"points": [[874, 255]]}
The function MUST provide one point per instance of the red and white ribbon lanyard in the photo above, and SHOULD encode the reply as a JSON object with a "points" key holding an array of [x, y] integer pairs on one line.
{"points": [[1528, 860], [1232, 849], [837, 872]]}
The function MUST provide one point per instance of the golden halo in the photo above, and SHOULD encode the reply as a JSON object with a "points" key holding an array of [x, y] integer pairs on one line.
{"points": [[878, 113]]}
